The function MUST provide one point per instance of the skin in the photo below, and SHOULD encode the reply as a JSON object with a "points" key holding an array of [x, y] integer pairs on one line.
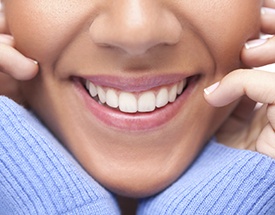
{"points": [[249, 128], [69, 39]]}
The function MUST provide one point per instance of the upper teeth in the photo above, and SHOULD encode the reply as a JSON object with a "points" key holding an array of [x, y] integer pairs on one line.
{"points": [[128, 102]]}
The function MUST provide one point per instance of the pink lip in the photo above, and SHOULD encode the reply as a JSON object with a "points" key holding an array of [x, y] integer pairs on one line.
{"points": [[138, 121], [135, 84]]}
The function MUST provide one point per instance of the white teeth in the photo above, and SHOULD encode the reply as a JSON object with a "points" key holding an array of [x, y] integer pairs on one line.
{"points": [[173, 93], [128, 102], [112, 98], [162, 98], [181, 86], [101, 95], [87, 84], [147, 102], [92, 89]]}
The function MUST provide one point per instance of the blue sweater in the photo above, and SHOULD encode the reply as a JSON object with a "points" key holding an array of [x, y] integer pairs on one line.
{"points": [[38, 176], [222, 181]]}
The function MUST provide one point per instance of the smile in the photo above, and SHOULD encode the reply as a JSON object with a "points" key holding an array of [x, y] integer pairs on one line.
{"points": [[136, 105], [133, 102]]}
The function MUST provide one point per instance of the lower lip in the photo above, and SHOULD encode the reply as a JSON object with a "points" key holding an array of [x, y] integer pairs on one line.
{"points": [[138, 121]]}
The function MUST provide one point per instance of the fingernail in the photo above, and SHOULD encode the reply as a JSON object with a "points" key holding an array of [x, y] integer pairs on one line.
{"points": [[212, 88], [33, 61], [266, 11], [254, 43]]}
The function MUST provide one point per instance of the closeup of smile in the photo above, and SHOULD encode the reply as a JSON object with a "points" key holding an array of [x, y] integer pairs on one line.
{"points": [[128, 102], [137, 105]]}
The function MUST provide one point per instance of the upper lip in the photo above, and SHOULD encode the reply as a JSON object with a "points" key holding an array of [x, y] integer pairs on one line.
{"points": [[135, 84]]}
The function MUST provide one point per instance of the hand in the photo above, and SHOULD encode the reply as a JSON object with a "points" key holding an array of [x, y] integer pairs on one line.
{"points": [[248, 128], [13, 65]]}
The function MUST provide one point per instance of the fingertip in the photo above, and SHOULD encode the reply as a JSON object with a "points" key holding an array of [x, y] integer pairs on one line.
{"points": [[29, 70], [211, 89], [267, 11], [255, 43], [34, 68], [209, 94], [224, 92], [16, 64], [258, 52], [6, 39], [267, 20]]}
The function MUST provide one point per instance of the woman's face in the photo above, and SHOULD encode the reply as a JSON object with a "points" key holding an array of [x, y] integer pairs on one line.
{"points": [[143, 118]]}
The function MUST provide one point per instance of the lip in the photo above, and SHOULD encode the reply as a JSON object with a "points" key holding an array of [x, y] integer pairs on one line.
{"points": [[138, 84], [136, 122]]}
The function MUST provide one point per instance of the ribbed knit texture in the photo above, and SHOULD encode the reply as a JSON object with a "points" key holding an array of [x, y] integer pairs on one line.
{"points": [[222, 181], [38, 176]]}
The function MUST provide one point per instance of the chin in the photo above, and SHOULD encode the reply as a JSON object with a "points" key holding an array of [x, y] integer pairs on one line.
{"points": [[142, 176], [137, 185]]}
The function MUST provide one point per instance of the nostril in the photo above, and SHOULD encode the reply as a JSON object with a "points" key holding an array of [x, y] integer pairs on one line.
{"points": [[136, 36]]}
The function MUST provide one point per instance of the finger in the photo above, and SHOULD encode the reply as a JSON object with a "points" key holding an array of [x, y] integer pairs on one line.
{"points": [[257, 85], [237, 121], [244, 110], [269, 3], [259, 52], [23, 69], [3, 26], [268, 20], [265, 143], [6, 39]]}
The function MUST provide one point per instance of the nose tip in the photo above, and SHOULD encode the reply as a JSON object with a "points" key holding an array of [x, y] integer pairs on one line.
{"points": [[136, 30]]}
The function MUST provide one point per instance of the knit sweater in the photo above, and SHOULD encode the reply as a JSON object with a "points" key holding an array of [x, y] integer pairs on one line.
{"points": [[222, 181], [38, 176]]}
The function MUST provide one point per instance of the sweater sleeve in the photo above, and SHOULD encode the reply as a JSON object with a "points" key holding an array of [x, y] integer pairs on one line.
{"points": [[222, 180], [38, 176]]}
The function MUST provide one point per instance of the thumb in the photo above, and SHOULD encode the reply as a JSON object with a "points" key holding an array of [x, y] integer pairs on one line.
{"points": [[23, 69]]}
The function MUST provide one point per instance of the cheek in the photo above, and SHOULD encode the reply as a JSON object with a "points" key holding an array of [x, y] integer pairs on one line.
{"points": [[241, 25], [41, 29], [226, 26]]}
